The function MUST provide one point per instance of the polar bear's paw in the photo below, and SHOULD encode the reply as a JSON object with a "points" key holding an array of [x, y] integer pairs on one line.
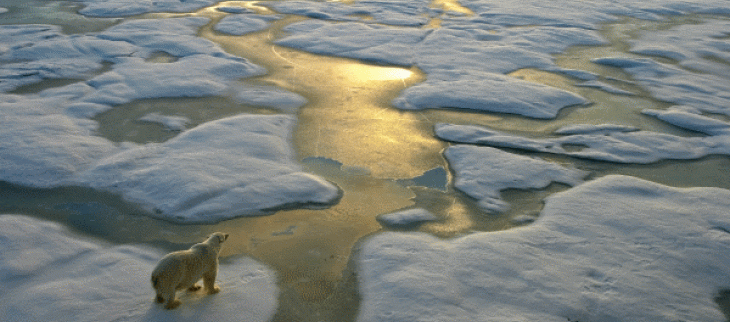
{"points": [[214, 290], [194, 288], [172, 304]]}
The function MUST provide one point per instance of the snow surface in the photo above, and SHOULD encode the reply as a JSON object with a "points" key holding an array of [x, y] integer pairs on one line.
{"points": [[465, 66], [242, 24], [702, 92], [50, 275], [613, 249], [482, 172], [172, 123], [50, 141], [600, 143], [406, 218], [241, 165]]}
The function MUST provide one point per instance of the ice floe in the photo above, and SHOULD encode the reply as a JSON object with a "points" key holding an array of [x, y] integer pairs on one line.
{"points": [[398, 12], [613, 249], [406, 218], [49, 140], [122, 8], [482, 172], [703, 92], [241, 165], [172, 123], [603, 142], [690, 45], [242, 24], [41, 146], [269, 96], [465, 67], [50, 275]]}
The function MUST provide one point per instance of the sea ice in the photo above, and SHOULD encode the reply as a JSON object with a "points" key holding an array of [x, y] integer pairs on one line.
{"points": [[613, 249], [408, 217], [121, 8], [465, 67], [482, 172], [236, 166], [690, 45], [43, 147], [49, 140], [50, 275], [702, 92], [393, 12], [616, 145], [487, 92], [172, 123], [241, 24], [269, 96]]}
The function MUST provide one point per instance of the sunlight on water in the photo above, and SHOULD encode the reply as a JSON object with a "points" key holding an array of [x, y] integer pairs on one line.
{"points": [[363, 73], [451, 5]]}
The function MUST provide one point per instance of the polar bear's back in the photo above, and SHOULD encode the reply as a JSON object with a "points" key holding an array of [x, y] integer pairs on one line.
{"points": [[183, 268]]}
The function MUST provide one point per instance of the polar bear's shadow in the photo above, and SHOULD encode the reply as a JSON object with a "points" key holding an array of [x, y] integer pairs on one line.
{"points": [[198, 306]]}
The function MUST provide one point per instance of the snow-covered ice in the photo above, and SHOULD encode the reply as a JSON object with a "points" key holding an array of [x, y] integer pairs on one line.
{"points": [[408, 217], [242, 24], [600, 143], [482, 172], [50, 141], [171, 122], [465, 66], [270, 96], [122, 8], [613, 249], [236, 166], [50, 275]]}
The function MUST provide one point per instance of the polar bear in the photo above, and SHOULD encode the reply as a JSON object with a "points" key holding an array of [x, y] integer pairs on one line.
{"points": [[183, 269]]}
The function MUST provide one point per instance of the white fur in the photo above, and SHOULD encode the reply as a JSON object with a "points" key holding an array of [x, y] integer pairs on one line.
{"points": [[183, 269]]}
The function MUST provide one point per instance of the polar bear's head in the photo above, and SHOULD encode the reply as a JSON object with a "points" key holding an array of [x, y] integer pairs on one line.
{"points": [[217, 238]]}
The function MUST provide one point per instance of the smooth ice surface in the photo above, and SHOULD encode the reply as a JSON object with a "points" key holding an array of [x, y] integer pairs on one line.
{"points": [[242, 24], [690, 45], [604, 144], [482, 172], [240, 165], [398, 12], [41, 146], [702, 92], [51, 275], [407, 217], [171, 122], [270, 96], [121, 8], [613, 249]]}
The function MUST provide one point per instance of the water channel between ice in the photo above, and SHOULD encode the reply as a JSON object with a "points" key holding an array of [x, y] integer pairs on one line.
{"points": [[349, 134]]}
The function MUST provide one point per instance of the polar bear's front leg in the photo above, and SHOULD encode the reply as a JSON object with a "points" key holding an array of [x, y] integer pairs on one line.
{"points": [[169, 296], [209, 281]]}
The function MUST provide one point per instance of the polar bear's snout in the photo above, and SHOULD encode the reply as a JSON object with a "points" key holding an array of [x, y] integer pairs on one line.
{"points": [[221, 237]]}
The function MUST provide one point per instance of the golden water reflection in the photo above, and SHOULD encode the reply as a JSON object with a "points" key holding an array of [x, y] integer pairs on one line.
{"points": [[451, 5]]}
